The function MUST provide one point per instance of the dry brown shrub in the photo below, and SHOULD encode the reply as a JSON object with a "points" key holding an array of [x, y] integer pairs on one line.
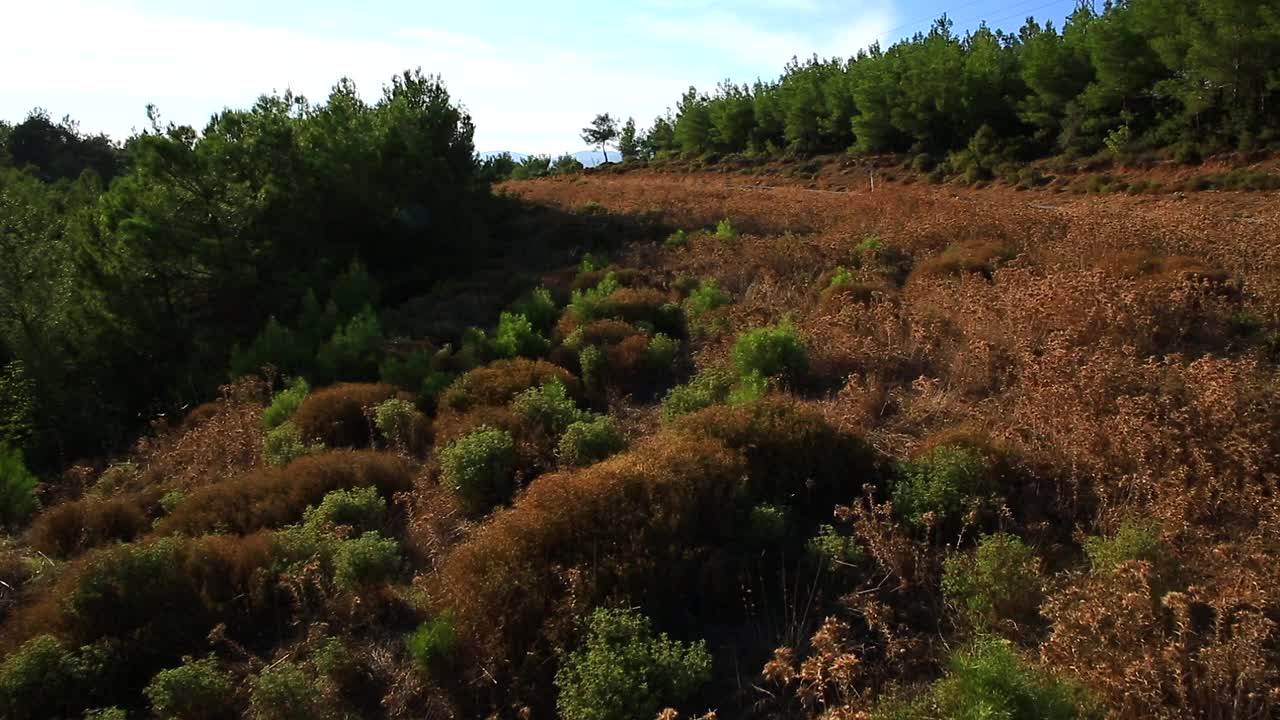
{"points": [[607, 332], [640, 305], [626, 277], [981, 257], [337, 415], [1190, 654], [498, 382], [222, 445], [274, 497], [629, 526], [70, 528], [200, 414]]}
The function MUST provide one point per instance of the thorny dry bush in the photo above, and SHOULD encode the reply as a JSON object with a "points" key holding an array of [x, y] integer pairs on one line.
{"points": [[1112, 345]]}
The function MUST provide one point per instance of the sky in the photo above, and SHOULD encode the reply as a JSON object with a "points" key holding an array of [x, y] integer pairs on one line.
{"points": [[531, 74]]}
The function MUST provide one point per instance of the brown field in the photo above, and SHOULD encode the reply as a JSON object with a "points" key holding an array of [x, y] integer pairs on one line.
{"points": [[1122, 348]]}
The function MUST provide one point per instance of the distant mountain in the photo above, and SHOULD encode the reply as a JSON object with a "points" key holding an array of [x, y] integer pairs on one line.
{"points": [[588, 158]]}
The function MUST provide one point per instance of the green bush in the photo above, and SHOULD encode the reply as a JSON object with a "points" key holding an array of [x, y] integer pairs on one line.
{"points": [[677, 239], [43, 679], [593, 303], [284, 403], [397, 422], [1001, 580], [662, 352], [360, 508], [625, 672], [589, 441], [769, 351], [516, 337], [418, 372], [284, 444], [706, 298], [941, 485], [707, 388], [749, 388], [725, 230], [766, 524], [1135, 541], [539, 307], [591, 360], [195, 691], [17, 489], [592, 262], [355, 350], [284, 692], [839, 279], [831, 546], [366, 560], [432, 642], [170, 500], [549, 407], [989, 680], [480, 468]]}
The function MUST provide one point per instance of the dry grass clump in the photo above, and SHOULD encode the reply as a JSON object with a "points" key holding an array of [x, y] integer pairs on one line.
{"points": [[274, 497], [981, 257], [70, 528], [497, 383], [337, 415]]}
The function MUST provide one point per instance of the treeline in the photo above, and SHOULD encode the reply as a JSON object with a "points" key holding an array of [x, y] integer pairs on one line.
{"points": [[130, 273], [1184, 77]]}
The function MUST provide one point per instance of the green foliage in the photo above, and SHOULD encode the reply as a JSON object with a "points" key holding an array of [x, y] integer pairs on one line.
{"points": [[197, 690], [285, 402], [170, 500], [396, 421], [366, 560], [840, 278], [284, 444], [359, 508], [771, 350], [591, 360], [766, 524], [833, 547], [549, 407], [17, 404], [516, 336], [940, 486], [17, 489], [480, 468], [106, 713], [988, 679], [629, 141], [283, 691], [749, 388], [624, 671], [417, 372], [707, 297], [534, 166], [566, 165], [725, 230], [42, 679], [539, 307], [1135, 541], [588, 441], [662, 352], [677, 239], [591, 262], [433, 642], [1001, 580], [707, 388], [355, 350], [593, 303], [602, 131]]}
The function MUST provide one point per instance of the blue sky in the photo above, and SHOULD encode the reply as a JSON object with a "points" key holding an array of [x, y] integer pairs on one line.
{"points": [[531, 74]]}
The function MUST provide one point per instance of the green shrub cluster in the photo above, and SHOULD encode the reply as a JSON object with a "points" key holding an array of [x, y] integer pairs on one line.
{"points": [[624, 671], [283, 691], [539, 307], [589, 441], [725, 230], [770, 351], [988, 679], [362, 509], [701, 301], [517, 337], [42, 678], [1000, 581], [480, 468], [677, 239], [197, 690], [17, 489], [398, 422], [593, 303], [707, 388], [433, 642], [284, 403], [549, 407], [283, 444], [829, 545], [943, 484], [1135, 541], [418, 372], [766, 524]]}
